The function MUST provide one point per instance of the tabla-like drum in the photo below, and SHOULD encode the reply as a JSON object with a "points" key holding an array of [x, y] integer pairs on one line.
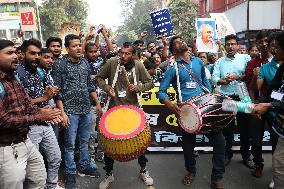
{"points": [[124, 133], [203, 114]]}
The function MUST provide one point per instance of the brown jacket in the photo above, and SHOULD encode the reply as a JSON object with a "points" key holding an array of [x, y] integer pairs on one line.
{"points": [[144, 82]]}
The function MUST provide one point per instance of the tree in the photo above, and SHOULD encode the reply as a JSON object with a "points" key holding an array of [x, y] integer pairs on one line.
{"points": [[53, 13], [137, 17], [184, 14]]}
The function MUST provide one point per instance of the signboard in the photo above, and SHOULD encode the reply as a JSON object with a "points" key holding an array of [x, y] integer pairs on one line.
{"points": [[206, 35], [69, 28], [224, 27], [165, 130], [28, 19], [162, 23], [9, 16]]}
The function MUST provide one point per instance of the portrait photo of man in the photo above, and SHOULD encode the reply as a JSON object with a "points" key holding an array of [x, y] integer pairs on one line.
{"points": [[206, 35]]}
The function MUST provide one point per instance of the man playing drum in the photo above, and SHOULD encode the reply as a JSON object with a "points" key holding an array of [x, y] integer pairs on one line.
{"points": [[127, 83], [190, 73]]}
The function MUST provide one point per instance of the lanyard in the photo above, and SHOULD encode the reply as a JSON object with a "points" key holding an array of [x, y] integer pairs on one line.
{"points": [[195, 79], [190, 70]]}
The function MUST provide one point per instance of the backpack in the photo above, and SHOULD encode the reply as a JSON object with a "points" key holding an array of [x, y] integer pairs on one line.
{"points": [[41, 73], [2, 90]]}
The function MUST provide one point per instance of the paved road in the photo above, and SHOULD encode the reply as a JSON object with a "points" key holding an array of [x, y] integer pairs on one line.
{"points": [[167, 170]]}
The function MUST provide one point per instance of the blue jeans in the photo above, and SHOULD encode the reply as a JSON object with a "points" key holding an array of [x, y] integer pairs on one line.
{"points": [[217, 140], [80, 124]]}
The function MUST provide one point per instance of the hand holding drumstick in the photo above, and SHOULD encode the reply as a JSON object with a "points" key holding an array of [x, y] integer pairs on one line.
{"points": [[131, 87]]}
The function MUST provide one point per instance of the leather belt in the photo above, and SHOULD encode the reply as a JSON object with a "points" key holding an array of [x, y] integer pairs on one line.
{"points": [[17, 141]]}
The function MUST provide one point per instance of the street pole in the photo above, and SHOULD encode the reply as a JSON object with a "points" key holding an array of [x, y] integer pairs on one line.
{"points": [[19, 6], [39, 25]]}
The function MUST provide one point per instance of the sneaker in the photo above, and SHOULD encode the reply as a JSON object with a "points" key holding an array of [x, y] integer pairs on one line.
{"points": [[70, 181], [271, 184], [93, 164], [249, 163], [59, 187], [188, 179], [90, 171], [217, 184], [109, 178], [146, 178], [99, 156]]}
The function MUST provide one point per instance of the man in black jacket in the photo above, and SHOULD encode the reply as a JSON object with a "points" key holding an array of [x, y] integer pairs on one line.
{"points": [[274, 100]]}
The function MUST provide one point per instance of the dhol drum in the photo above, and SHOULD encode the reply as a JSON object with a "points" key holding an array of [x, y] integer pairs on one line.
{"points": [[203, 114], [124, 133]]}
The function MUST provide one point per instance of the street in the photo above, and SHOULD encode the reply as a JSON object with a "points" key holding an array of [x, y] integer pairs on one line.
{"points": [[167, 170]]}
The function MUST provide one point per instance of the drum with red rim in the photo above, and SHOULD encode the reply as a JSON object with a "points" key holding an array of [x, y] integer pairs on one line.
{"points": [[124, 133], [204, 114]]}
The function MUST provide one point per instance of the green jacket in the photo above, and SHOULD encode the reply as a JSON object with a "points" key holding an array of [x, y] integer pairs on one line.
{"points": [[144, 82]]}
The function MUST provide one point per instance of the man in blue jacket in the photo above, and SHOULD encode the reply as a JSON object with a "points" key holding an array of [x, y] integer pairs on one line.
{"points": [[190, 88]]}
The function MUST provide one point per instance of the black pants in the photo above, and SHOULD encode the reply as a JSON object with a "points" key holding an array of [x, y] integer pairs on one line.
{"points": [[273, 136], [217, 141], [251, 133], [142, 160], [255, 131]]}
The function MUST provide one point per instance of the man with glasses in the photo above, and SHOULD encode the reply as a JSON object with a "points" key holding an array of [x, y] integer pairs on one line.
{"points": [[228, 72]]}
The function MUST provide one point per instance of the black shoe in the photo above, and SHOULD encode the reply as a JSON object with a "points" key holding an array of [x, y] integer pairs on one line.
{"points": [[249, 163], [227, 161], [70, 181], [90, 171]]}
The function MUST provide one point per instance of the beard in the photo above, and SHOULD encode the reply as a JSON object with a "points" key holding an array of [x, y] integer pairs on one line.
{"points": [[32, 64], [181, 49], [129, 64]]}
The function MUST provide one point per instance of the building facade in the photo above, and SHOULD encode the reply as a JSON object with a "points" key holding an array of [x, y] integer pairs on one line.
{"points": [[10, 20], [247, 16]]}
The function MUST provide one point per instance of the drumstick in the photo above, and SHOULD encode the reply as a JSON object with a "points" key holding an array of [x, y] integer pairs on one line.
{"points": [[125, 75]]}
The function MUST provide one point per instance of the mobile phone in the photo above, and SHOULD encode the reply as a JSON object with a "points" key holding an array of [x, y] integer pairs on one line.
{"points": [[99, 29]]}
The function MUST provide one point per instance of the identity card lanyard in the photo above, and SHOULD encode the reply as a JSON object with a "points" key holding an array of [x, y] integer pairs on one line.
{"points": [[192, 75]]}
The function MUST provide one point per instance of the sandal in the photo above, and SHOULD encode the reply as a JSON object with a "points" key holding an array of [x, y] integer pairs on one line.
{"points": [[188, 179]]}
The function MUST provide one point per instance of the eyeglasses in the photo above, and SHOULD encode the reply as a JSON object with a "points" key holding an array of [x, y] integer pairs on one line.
{"points": [[230, 44]]}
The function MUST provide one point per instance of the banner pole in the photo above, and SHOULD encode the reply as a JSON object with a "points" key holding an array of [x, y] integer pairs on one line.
{"points": [[39, 24]]}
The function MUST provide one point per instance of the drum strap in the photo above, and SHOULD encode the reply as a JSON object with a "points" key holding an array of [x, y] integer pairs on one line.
{"points": [[113, 85], [135, 83], [195, 79], [114, 82], [178, 83]]}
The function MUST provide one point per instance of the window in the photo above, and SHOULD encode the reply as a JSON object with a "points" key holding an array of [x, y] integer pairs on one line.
{"points": [[3, 34], [28, 35], [13, 33], [11, 7]]}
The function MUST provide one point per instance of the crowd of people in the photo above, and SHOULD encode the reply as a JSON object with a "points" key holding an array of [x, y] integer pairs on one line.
{"points": [[51, 102]]}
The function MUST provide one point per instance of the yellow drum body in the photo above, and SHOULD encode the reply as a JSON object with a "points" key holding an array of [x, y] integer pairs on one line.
{"points": [[124, 133]]}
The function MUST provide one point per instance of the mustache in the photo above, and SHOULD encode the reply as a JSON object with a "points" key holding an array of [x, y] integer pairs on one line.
{"points": [[15, 62]]}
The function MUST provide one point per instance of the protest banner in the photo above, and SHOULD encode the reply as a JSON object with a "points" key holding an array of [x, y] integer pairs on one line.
{"points": [[69, 28], [165, 130], [224, 27], [162, 23]]}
